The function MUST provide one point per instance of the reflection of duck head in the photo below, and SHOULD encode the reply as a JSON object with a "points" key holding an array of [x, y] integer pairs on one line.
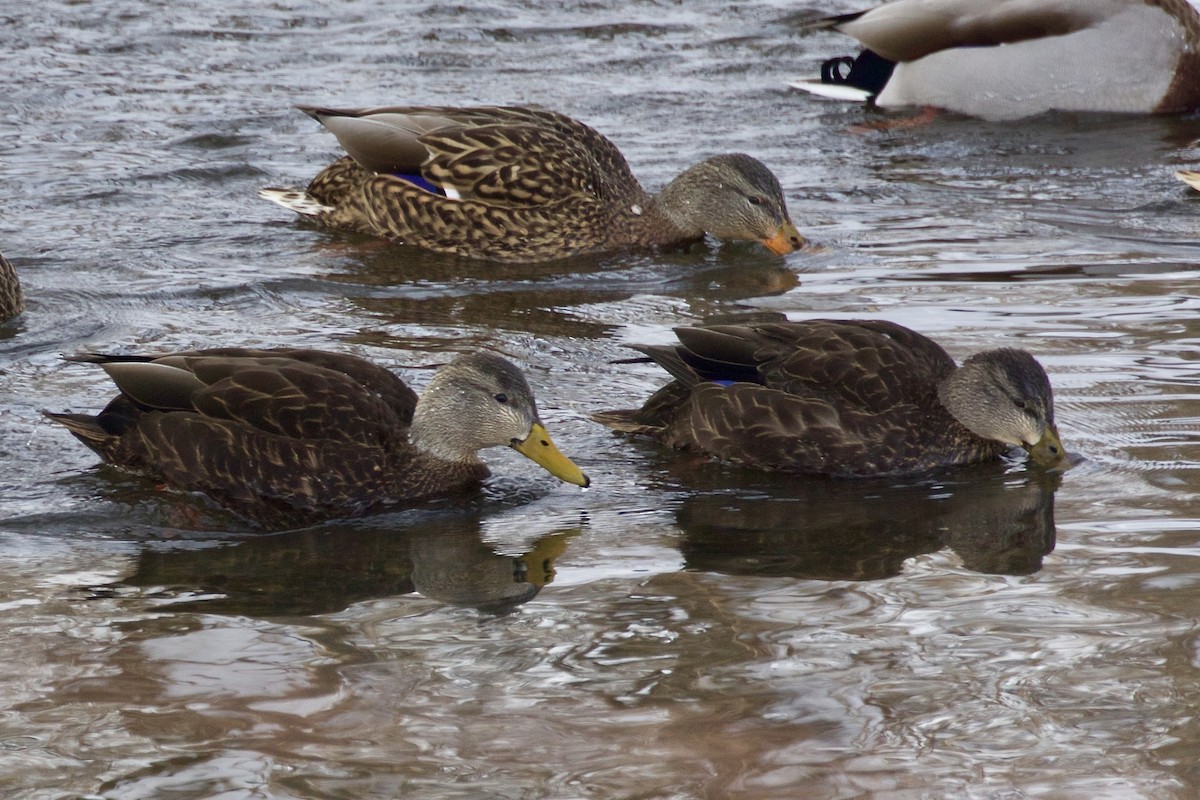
{"points": [[865, 530], [460, 569], [324, 570], [1002, 527]]}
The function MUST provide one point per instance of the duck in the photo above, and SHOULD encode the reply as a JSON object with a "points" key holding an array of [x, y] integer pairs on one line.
{"points": [[12, 299], [517, 184], [1008, 59], [287, 437], [842, 399]]}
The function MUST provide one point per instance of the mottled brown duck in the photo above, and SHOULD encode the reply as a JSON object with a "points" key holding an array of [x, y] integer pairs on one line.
{"points": [[521, 184], [12, 299], [1005, 59], [843, 399], [287, 437]]}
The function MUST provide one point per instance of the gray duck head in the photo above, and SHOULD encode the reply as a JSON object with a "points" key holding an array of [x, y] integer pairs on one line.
{"points": [[1005, 395], [481, 400], [735, 197]]}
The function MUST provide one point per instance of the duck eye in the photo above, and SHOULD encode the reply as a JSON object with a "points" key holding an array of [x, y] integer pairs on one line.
{"points": [[502, 398], [756, 200], [1021, 404]]}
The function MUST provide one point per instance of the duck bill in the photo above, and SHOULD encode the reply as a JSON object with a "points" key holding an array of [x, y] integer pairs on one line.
{"points": [[785, 240], [539, 449], [1047, 451]]}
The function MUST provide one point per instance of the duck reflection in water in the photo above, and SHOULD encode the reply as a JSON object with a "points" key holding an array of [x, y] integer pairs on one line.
{"points": [[324, 570], [996, 522]]}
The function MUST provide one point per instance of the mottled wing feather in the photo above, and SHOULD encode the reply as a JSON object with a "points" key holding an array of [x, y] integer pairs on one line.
{"points": [[823, 396], [869, 365], [259, 474], [291, 392], [768, 428], [371, 377], [528, 165], [503, 155], [872, 366], [294, 399]]}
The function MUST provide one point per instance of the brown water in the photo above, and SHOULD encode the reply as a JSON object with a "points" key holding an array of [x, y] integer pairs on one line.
{"points": [[681, 630]]}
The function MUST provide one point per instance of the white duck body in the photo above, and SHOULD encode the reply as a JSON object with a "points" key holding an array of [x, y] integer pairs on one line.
{"points": [[1005, 59]]}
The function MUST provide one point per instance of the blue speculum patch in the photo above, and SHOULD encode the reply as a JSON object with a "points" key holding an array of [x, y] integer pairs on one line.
{"points": [[421, 183]]}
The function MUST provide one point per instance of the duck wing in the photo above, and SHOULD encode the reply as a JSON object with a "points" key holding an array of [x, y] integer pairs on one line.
{"points": [[281, 437], [508, 156], [905, 30], [830, 397], [303, 394], [872, 365]]}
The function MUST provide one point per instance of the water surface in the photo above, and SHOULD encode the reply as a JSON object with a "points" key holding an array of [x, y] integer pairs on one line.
{"points": [[682, 630]]}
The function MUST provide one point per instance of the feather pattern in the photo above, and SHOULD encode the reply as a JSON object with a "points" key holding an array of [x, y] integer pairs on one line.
{"points": [[12, 299], [837, 398], [524, 184], [290, 436]]}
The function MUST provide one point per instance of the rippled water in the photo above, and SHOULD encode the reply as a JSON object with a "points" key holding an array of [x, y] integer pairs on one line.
{"points": [[681, 630]]}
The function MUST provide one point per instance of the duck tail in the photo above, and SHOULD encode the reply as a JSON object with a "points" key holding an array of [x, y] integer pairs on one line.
{"points": [[296, 200], [824, 23], [627, 420], [87, 429]]}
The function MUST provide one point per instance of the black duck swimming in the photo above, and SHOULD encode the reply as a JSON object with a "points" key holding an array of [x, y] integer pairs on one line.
{"points": [[844, 399], [286, 437]]}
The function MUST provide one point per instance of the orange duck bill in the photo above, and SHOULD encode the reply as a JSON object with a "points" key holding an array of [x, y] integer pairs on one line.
{"points": [[786, 240]]}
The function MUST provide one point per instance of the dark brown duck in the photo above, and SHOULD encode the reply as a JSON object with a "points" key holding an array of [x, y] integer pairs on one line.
{"points": [[287, 437], [844, 399]]}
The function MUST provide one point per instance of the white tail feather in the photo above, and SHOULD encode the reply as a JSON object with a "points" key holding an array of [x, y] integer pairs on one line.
{"points": [[296, 200], [1190, 177], [835, 91]]}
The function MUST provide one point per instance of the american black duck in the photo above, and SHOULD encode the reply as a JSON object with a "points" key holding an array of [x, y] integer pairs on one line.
{"points": [[286, 437], [522, 184], [844, 399]]}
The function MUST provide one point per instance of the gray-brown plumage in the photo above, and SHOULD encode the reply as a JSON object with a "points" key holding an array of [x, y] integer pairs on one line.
{"points": [[12, 299], [843, 398], [287, 437], [520, 184]]}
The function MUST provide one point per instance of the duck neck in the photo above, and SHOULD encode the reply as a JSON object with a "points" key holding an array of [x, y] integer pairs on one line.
{"points": [[677, 205], [436, 433]]}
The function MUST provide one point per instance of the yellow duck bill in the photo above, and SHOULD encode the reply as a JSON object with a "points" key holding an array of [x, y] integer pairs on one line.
{"points": [[1047, 451], [540, 449]]}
